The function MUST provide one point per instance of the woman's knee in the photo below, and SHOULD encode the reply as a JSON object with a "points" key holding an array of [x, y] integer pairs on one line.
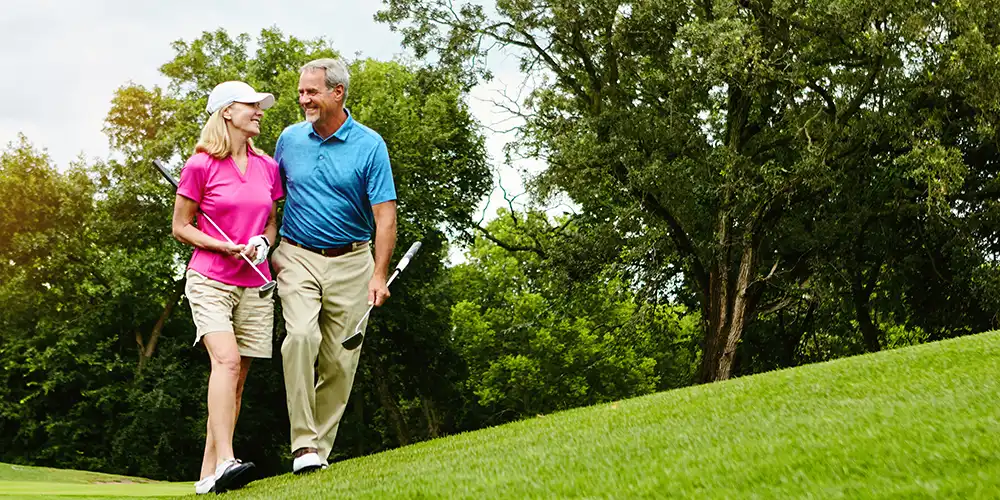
{"points": [[227, 363]]}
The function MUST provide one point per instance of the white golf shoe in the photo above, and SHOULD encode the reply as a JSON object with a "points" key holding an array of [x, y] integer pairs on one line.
{"points": [[308, 462], [205, 486]]}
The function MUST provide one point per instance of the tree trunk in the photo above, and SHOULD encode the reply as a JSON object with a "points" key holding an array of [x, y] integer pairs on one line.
{"points": [[358, 411], [861, 293], [792, 340], [430, 414], [147, 348], [389, 404], [728, 306]]}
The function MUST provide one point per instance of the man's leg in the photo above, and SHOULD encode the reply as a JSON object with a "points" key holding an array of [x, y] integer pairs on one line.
{"points": [[345, 300], [300, 303]]}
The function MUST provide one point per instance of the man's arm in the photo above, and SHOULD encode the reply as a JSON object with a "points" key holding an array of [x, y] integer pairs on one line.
{"points": [[385, 242]]}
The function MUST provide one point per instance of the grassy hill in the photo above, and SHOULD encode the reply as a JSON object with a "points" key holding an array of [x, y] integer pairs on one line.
{"points": [[920, 422], [916, 422]]}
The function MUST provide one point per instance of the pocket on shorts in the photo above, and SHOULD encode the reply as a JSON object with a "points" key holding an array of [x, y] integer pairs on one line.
{"points": [[253, 324], [211, 303]]}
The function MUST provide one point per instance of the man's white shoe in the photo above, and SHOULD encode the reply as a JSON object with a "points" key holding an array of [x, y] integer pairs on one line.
{"points": [[205, 486], [308, 463]]}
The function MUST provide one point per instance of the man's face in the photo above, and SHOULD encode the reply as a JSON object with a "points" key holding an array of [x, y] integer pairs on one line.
{"points": [[316, 100]]}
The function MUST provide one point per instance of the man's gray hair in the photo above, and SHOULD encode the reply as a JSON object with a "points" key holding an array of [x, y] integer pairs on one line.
{"points": [[335, 70]]}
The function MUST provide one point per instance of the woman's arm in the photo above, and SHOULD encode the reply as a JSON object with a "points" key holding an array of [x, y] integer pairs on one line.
{"points": [[185, 232]]}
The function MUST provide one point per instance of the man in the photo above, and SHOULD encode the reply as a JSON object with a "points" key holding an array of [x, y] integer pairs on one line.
{"points": [[339, 191]]}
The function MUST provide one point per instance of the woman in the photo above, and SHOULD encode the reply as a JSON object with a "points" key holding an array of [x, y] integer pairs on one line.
{"points": [[236, 185]]}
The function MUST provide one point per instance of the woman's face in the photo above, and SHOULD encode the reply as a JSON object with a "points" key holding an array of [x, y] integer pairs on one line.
{"points": [[245, 117]]}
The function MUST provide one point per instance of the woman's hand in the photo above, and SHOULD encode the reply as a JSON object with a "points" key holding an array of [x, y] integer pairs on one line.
{"points": [[228, 248]]}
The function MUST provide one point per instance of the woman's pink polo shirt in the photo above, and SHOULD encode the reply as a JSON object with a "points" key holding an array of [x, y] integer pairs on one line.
{"points": [[238, 203]]}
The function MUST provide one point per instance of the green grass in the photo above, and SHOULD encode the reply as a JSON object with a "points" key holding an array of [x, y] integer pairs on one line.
{"points": [[921, 422], [21, 481]]}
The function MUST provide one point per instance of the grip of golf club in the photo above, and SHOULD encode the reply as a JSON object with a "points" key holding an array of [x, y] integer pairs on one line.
{"points": [[165, 172], [405, 261]]}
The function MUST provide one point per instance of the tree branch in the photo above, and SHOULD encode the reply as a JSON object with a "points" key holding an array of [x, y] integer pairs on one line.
{"points": [[147, 349], [532, 44], [831, 106], [777, 305], [855, 103], [508, 246]]}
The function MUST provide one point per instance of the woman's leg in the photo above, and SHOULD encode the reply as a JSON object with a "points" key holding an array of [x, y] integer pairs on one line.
{"points": [[244, 370], [222, 386], [208, 460]]}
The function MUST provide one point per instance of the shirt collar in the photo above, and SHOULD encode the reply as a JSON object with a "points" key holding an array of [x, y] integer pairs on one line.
{"points": [[342, 133]]}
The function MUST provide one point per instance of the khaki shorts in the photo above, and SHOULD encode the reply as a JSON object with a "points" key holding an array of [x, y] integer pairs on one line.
{"points": [[218, 307]]}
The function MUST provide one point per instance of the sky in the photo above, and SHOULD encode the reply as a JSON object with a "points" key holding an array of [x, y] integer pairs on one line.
{"points": [[63, 60]]}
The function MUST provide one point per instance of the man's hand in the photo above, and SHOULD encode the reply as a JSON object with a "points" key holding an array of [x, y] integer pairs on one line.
{"points": [[378, 292]]}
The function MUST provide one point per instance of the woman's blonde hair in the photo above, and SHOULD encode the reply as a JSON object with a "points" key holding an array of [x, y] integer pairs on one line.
{"points": [[215, 138]]}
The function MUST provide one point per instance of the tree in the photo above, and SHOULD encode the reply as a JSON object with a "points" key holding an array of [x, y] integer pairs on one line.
{"points": [[536, 340], [724, 136]]}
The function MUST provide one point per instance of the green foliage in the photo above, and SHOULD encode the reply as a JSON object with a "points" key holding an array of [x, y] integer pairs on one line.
{"points": [[535, 340]]}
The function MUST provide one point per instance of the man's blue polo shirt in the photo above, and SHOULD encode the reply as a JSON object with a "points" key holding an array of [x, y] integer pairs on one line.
{"points": [[331, 183]]}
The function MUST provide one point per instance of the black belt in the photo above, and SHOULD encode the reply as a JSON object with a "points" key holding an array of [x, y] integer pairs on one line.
{"points": [[329, 252]]}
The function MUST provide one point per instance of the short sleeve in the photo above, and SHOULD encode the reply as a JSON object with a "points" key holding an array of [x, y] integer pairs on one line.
{"points": [[193, 177], [278, 148], [380, 185], [277, 189]]}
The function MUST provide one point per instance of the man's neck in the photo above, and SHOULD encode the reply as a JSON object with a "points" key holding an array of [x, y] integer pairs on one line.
{"points": [[326, 128]]}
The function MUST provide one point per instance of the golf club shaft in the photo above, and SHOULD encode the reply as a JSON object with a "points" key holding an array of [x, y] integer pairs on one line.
{"points": [[369, 311], [217, 228]]}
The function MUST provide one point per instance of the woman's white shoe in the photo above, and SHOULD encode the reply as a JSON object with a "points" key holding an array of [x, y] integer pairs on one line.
{"points": [[232, 474], [205, 486]]}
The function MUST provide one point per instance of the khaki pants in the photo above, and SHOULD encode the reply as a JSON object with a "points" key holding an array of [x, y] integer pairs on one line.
{"points": [[322, 299]]}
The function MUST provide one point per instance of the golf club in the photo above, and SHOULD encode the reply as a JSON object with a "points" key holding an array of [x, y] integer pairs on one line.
{"points": [[351, 343], [268, 285]]}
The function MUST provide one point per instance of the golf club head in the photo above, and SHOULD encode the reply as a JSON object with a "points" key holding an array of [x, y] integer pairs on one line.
{"points": [[351, 343], [266, 289]]}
